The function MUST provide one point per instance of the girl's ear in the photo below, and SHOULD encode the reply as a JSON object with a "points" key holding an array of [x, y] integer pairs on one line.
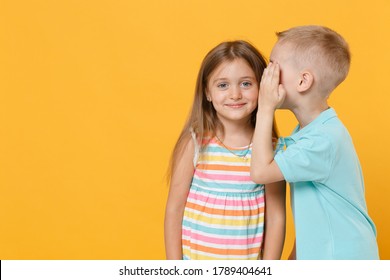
{"points": [[208, 97], [306, 81]]}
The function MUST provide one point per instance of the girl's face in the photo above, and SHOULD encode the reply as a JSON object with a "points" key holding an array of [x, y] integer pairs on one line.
{"points": [[233, 90]]}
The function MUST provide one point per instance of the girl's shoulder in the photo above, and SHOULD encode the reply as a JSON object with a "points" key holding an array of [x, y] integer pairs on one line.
{"points": [[208, 139], [201, 143], [202, 140]]}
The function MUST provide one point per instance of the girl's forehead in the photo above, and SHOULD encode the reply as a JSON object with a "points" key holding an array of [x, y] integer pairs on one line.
{"points": [[232, 67]]}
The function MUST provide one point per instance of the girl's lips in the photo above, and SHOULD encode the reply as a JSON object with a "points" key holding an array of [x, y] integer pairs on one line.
{"points": [[238, 105]]}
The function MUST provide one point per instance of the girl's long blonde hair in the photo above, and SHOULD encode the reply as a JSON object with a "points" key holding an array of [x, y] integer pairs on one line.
{"points": [[203, 118]]}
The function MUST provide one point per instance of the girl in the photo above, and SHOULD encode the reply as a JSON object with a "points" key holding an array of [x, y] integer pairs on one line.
{"points": [[214, 210]]}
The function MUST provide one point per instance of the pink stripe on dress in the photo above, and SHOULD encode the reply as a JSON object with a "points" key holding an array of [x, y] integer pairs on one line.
{"points": [[223, 177], [219, 240], [226, 201]]}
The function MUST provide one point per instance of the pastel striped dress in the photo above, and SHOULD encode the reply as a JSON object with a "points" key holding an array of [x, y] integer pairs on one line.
{"points": [[224, 213]]}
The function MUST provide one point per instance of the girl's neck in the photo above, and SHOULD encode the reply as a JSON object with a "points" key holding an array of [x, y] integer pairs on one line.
{"points": [[236, 135]]}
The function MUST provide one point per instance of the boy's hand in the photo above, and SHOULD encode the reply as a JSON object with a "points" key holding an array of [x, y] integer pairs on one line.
{"points": [[272, 93]]}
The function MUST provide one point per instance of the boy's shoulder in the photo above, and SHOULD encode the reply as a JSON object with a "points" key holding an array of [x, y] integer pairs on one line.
{"points": [[327, 124], [331, 135], [327, 128]]}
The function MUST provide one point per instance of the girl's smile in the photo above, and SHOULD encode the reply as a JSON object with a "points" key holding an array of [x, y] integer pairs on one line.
{"points": [[233, 91], [236, 106]]}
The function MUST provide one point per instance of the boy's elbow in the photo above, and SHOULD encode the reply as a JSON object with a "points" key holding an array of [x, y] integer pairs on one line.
{"points": [[266, 173], [258, 176], [264, 176]]}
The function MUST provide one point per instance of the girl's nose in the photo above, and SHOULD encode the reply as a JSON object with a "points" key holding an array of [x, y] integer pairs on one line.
{"points": [[236, 93]]}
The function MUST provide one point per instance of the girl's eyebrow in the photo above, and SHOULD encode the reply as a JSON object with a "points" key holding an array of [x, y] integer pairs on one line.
{"points": [[240, 78], [248, 77], [213, 82], [218, 79], [222, 79]]}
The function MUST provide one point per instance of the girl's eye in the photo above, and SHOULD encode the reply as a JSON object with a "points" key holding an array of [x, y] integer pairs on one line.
{"points": [[246, 84], [223, 85]]}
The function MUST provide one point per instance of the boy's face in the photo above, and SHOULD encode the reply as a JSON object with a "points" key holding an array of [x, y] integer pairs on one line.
{"points": [[289, 71]]}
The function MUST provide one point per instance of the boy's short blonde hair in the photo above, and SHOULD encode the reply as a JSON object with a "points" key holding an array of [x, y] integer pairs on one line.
{"points": [[323, 49]]}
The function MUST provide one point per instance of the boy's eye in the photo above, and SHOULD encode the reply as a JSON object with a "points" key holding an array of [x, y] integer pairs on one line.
{"points": [[222, 85], [246, 84]]}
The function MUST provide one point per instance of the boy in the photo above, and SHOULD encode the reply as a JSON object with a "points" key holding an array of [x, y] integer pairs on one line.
{"points": [[320, 163]]}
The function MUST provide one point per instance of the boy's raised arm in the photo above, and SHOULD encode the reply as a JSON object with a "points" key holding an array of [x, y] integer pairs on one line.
{"points": [[264, 169]]}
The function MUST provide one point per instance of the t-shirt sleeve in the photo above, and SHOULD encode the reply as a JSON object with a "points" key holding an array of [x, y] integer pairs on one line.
{"points": [[278, 144], [308, 159]]}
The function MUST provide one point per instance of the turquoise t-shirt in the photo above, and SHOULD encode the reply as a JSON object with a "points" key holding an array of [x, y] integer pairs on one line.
{"points": [[327, 192]]}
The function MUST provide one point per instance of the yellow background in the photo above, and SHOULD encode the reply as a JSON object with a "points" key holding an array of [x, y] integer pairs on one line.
{"points": [[93, 95]]}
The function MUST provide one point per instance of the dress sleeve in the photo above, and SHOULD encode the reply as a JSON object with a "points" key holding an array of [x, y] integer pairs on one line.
{"points": [[196, 147]]}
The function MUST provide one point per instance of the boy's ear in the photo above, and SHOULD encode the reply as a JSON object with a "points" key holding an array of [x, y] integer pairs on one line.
{"points": [[306, 80]]}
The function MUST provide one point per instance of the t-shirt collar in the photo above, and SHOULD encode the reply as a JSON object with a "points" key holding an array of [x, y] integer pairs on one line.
{"points": [[321, 118]]}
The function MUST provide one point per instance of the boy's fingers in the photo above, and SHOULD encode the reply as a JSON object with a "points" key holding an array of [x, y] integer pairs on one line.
{"points": [[270, 70], [281, 95], [281, 92], [267, 74], [276, 75], [277, 70], [271, 76]]}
